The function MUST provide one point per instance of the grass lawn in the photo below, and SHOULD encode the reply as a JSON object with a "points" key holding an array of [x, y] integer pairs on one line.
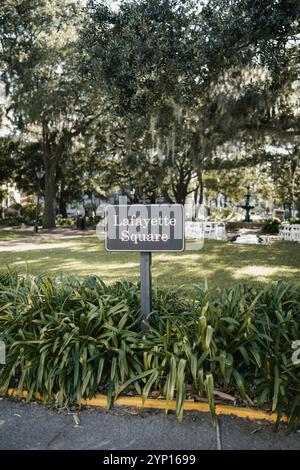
{"points": [[6, 235], [221, 264]]}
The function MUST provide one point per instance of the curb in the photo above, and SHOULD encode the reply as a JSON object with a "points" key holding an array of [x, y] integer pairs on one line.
{"points": [[100, 401]]}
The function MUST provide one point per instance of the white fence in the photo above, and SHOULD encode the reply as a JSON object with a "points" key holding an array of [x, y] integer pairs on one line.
{"points": [[211, 230], [215, 230], [290, 233]]}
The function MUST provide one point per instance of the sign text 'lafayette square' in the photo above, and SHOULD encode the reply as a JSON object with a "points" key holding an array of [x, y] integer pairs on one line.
{"points": [[156, 227]]}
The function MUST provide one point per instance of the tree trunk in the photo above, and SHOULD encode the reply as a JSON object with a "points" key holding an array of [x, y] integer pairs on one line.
{"points": [[180, 192], [201, 187], [196, 195], [180, 186], [54, 147], [62, 202], [49, 209], [63, 208], [50, 164]]}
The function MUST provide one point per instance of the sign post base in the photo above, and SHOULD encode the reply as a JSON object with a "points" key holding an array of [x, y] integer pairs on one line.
{"points": [[146, 287]]}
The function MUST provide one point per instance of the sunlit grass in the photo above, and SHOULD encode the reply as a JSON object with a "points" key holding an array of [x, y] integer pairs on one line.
{"points": [[6, 235], [219, 264]]}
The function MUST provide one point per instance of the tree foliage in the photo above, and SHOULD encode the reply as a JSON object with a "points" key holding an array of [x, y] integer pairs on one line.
{"points": [[47, 99], [152, 95]]}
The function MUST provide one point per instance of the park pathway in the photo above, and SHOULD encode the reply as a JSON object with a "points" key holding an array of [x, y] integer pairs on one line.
{"points": [[62, 237]]}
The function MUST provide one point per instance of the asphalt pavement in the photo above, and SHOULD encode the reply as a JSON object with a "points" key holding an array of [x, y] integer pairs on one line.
{"points": [[30, 426]]}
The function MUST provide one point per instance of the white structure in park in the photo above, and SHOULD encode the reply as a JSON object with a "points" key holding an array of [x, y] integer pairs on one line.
{"points": [[12, 196], [196, 232], [290, 233], [205, 229]]}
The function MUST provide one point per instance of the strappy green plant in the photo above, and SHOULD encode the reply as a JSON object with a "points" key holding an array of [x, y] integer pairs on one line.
{"points": [[67, 338]]}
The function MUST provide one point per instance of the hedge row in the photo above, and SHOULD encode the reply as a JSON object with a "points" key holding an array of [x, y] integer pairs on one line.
{"points": [[70, 338]]}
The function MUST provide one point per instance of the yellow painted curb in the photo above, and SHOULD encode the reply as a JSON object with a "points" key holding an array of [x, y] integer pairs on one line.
{"points": [[137, 402]]}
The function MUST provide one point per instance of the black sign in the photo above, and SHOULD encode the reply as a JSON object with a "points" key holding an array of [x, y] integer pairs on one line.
{"points": [[155, 227]]}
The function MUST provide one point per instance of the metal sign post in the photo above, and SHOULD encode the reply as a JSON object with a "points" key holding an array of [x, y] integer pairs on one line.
{"points": [[147, 229], [146, 286]]}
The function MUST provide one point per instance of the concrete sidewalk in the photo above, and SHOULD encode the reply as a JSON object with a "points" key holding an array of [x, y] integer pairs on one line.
{"points": [[32, 426]]}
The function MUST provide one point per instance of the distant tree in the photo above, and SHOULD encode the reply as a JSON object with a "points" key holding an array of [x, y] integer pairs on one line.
{"points": [[7, 147], [156, 93], [77, 175], [47, 98], [7, 164], [284, 170], [252, 64], [201, 78], [232, 184], [143, 53]]}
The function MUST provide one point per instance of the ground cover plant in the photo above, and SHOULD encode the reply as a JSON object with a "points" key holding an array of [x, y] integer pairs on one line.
{"points": [[69, 338]]}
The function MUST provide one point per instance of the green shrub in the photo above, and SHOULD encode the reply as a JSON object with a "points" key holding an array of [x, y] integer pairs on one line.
{"points": [[15, 221], [27, 217], [224, 214], [69, 338], [65, 222], [91, 222], [29, 212], [271, 226], [16, 206], [294, 220]]}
